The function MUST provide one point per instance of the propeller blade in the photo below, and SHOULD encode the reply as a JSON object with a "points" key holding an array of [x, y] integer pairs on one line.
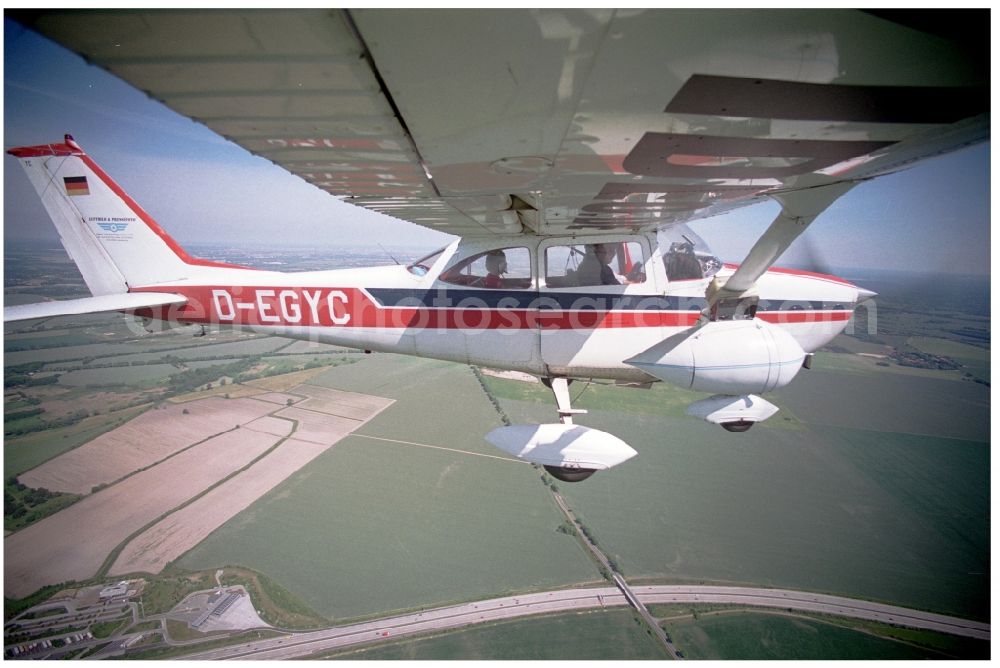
{"points": [[812, 258]]}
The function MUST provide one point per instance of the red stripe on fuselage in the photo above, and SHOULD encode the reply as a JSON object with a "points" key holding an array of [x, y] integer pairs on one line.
{"points": [[352, 307], [799, 317], [799, 272]]}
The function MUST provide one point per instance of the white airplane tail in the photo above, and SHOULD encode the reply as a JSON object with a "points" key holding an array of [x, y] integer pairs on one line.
{"points": [[116, 245]]}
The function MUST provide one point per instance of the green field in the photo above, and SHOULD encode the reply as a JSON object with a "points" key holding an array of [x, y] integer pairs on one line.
{"points": [[891, 403], [661, 399], [596, 635], [753, 636], [44, 340], [823, 508], [71, 352], [859, 364], [948, 348], [373, 526], [974, 360], [122, 375], [184, 346]]}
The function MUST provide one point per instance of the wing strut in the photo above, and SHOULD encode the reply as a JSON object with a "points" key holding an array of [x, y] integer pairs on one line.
{"points": [[798, 209]]}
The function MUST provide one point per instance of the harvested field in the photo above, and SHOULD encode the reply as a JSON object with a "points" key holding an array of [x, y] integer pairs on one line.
{"points": [[73, 543], [324, 428], [149, 438], [272, 425], [337, 402], [280, 398], [179, 532]]}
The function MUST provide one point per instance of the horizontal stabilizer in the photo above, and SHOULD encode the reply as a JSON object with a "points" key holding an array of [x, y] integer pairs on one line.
{"points": [[118, 302]]}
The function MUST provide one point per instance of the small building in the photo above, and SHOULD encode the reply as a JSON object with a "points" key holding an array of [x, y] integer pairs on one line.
{"points": [[115, 591]]}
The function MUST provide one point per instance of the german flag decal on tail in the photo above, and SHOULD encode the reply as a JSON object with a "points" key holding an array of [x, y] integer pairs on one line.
{"points": [[76, 185]]}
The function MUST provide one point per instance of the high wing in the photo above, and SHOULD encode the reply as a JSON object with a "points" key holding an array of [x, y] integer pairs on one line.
{"points": [[555, 121]]}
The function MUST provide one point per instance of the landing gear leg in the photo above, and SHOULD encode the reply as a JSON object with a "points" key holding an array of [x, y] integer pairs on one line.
{"points": [[560, 389]]}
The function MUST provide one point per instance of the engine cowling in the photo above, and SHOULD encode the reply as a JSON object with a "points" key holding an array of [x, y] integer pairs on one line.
{"points": [[725, 357]]}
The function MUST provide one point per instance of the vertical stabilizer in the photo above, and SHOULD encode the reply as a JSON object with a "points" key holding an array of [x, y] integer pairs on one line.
{"points": [[115, 244]]}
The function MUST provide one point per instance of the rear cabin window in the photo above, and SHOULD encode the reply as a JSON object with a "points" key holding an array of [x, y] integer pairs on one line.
{"points": [[500, 269], [582, 265]]}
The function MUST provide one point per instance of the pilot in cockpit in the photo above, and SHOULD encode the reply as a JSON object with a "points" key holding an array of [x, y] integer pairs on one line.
{"points": [[681, 262], [595, 268]]}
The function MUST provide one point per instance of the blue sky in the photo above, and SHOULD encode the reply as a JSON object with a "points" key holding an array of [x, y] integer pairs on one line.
{"points": [[202, 188]]}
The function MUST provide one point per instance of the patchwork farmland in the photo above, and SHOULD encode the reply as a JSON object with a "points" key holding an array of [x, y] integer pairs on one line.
{"points": [[184, 458]]}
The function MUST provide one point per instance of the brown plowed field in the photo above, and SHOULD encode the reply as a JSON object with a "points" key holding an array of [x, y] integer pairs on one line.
{"points": [[149, 438], [318, 427], [73, 543], [336, 402]]}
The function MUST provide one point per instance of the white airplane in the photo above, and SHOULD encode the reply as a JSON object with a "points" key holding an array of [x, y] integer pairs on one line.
{"points": [[565, 148]]}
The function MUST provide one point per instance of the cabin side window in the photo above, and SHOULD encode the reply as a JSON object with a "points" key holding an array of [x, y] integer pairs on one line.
{"points": [[580, 265], [498, 269]]}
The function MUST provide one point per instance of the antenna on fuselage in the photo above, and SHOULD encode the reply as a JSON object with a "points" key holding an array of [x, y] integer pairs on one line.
{"points": [[388, 253]]}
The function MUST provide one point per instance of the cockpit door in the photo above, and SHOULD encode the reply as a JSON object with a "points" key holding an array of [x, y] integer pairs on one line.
{"points": [[599, 298], [487, 291]]}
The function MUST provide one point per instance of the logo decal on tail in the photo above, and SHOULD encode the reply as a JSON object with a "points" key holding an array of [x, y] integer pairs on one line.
{"points": [[112, 227], [76, 185]]}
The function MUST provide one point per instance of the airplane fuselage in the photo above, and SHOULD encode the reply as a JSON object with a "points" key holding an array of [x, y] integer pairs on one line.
{"points": [[537, 328]]}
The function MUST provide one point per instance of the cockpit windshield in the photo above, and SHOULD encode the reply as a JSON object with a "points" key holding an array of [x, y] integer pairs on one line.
{"points": [[686, 256], [423, 265]]}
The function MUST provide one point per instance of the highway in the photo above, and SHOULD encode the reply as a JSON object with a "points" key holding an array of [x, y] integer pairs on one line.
{"points": [[305, 644]]}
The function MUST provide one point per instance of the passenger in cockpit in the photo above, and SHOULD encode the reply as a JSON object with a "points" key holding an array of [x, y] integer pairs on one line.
{"points": [[496, 267]]}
